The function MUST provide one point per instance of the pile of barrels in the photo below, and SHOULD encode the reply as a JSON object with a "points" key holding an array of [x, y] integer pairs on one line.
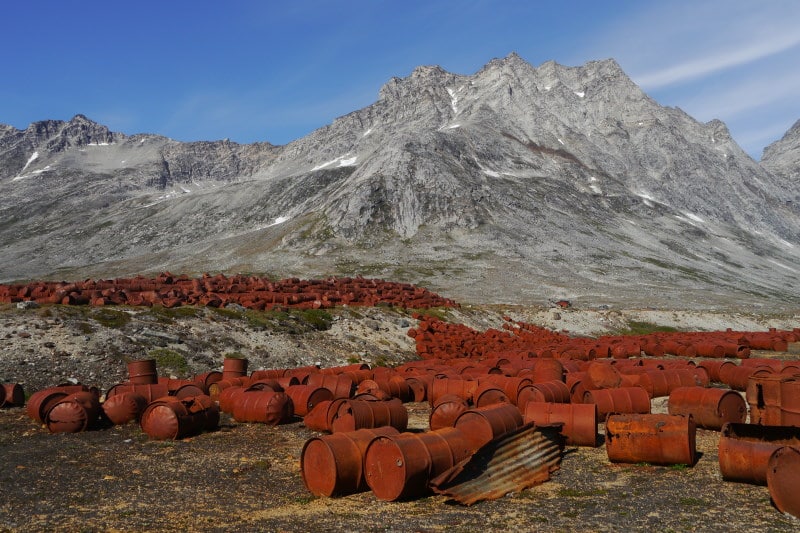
{"points": [[251, 292]]}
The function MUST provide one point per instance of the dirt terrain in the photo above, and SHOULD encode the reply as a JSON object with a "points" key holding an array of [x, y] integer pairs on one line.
{"points": [[247, 476]]}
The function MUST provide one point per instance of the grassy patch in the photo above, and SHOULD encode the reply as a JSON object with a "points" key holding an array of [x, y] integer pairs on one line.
{"points": [[169, 359], [85, 327], [111, 318], [434, 312], [692, 502], [168, 315]]}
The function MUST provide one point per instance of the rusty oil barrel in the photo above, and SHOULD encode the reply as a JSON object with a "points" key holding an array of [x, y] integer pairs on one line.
{"points": [[321, 417], [659, 383], [648, 438], [579, 420], [265, 407], [41, 401], [460, 387], [333, 465], [143, 372], [234, 367], [399, 467], [341, 386], [305, 397], [783, 479], [484, 424], [447, 409], [172, 418], [73, 413], [123, 408], [488, 393], [548, 391], [359, 414], [632, 400], [745, 449], [13, 395], [711, 408]]}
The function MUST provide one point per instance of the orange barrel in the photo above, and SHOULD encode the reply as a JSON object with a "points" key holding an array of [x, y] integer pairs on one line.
{"points": [[234, 367], [648, 438], [711, 408], [579, 420], [659, 383], [548, 391], [178, 418], [400, 467], [41, 401], [207, 378], [745, 449], [462, 388], [123, 408], [340, 385], [602, 375], [305, 397], [547, 370], [484, 424], [736, 376], [419, 387], [488, 393], [320, 418], [150, 392], [360, 414], [216, 388], [333, 465], [266, 407], [447, 409], [632, 400], [73, 413], [783, 479], [228, 397], [143, 372]]}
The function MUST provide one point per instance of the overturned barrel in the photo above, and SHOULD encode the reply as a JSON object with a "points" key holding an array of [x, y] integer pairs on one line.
{"points": [[359, 414], [483, 424], [177, 418], [579, 420], [633, 400], [711, 408], [648, 438], [73, 413], [123, 408], [783, 479], [745, 449], [333, 465]]}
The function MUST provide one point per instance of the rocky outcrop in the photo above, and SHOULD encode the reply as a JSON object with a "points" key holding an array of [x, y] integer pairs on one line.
{"points": [[783, 156]]}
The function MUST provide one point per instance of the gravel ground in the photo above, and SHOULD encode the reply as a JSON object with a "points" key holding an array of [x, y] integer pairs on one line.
{"points": [[247, 476]]}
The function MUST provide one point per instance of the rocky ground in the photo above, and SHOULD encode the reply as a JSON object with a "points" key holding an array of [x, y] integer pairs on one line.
{"points": [[247, 476]]}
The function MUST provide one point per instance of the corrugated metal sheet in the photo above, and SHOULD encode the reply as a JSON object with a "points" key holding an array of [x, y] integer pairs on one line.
{"points": [[516, 461]]}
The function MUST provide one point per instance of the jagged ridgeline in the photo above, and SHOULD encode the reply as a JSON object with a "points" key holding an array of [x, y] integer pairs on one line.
{"points": [[514, 184]]}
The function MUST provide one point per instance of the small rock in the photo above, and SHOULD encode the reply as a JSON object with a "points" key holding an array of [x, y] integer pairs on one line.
{"points": [[28, 305]]}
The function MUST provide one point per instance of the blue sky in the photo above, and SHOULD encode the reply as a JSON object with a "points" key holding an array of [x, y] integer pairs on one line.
{"points": [[275, 71]]}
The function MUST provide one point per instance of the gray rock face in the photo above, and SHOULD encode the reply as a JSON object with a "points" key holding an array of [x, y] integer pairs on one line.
{"points": [[783, 156], [514, 184]]}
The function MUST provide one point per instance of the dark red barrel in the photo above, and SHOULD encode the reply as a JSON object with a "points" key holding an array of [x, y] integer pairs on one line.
{"points": [[579, 420], [659, 383], [341, 386], [333, 465], [548, 391], [41, 401], [488, 394], [233, 367], [123, 408], [447, 409], [634, 400], [711, 408], [460, 387], [12, 395], [745, 449], [150, 391], [783, 479], [359, 414], [305, 397], [265, 407], [143, 372], [484, 424], [73, 413], [178, 418], [648, 438], [321, 417]]}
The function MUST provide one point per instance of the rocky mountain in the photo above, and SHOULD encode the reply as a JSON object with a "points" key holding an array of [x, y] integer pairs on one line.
{"points": [[514, 184], [783, 156]]}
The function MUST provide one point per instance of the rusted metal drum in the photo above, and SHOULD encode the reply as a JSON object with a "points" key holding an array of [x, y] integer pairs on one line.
{"points": [[647, 438], [396, 386], [711, 408], [460, 387], [228, 397], [447, 409], [547, 370], [790, 400], [483, 424], [659, 383], [764, 395], [489, 394], [333, 465], [178, 418], [305, 397], [579, 420], [41, 401], [735, 376], [634, 400], [187, 390], [548, 391], [359, 414], [205, 379], [265, 407], [73, 413], [399, 467], [216, 388], [783, 479], [419, 388], [233, 367], [13, 395], [321, 417], [341, 386], [744, 450], [150, 391], [143, 372], [124, 408], [602, 375]]}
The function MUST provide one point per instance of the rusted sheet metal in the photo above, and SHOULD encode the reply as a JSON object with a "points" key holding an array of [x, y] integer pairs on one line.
{"points": [[648, 438], [744, 450], [516, 461], [783, 479]]}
